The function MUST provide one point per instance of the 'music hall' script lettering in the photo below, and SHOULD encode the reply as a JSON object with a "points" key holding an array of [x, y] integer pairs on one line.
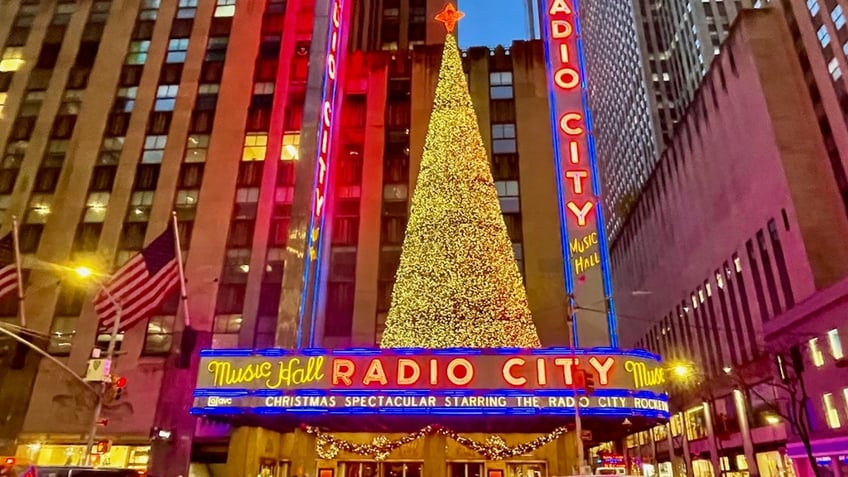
{"points": [[289, 372]]}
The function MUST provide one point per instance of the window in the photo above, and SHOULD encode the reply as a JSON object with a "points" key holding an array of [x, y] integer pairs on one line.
{"points": [[160, 335], [166, 97], [71, 102], [187, 9], [154, 149], [835, 344], [834, 69], [225, 8], [255, 146], [55, 156], [125, 99], [831, 414], [196, 146], [823, 35], [216, 48], [503, 138], [246, 199], [138, 52], [838, 17], [236, 266], [395, 192], [185, 203], [62, 15], [291, 145], [95, 207], [12, 59], [845, 397], [263, 88], [359, 469], [225, 331], [518, 251], [177, 48], [149, 9], [140, 203], [508, 196], [110, 152], [500, 85], [815, 353], [813, 7], [207, 97], [39, 209]]}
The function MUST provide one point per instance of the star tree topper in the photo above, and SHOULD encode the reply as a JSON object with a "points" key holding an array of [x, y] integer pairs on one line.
{"points": [[449, 16]]}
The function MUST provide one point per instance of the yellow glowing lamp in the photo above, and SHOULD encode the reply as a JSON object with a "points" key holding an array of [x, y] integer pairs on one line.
{"points": [[83, 272]]}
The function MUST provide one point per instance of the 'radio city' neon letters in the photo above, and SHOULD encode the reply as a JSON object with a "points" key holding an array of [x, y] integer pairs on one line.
{"points": [[326, 120]]}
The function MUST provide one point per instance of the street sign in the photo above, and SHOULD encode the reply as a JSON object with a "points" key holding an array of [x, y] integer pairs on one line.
{"points": [[98, 370]]}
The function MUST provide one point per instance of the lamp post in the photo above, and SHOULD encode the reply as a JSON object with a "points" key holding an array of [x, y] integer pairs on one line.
{"points": [[110, 355]]}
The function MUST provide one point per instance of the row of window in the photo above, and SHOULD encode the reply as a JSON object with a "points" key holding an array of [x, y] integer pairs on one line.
{"points": [[698, 326]]}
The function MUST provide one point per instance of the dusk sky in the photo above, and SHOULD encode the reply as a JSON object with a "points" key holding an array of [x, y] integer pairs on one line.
{"points": [[492, 22]]}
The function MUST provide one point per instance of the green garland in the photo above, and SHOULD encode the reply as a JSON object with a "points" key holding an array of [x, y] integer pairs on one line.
{"points": [[494, 448]]}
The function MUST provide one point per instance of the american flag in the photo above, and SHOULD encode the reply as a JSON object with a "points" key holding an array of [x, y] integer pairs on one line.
{"points": [[8, 267], [140, 285]]}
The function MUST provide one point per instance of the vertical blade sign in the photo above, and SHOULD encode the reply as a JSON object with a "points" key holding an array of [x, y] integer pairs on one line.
{"points": [[581, 215]]}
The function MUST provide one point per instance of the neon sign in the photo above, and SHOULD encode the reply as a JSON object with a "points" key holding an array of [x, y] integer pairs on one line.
{"points": [[537, 381], [330, 103], [581, 217]]}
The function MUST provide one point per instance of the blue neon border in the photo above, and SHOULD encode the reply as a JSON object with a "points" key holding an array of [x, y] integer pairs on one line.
{"points": [[596, 186], [309, 241], [359, 351], [375, 352], [596, 411]]}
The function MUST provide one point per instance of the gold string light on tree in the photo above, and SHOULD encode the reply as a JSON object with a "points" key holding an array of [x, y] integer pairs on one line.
{"points": [[493, 448], [458, 284]]}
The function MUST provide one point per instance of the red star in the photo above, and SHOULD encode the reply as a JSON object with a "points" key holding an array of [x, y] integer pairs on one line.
{"points": [[449, 16]]}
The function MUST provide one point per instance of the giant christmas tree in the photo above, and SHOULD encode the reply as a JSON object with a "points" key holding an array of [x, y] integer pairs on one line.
{"points": [[458, 284]]}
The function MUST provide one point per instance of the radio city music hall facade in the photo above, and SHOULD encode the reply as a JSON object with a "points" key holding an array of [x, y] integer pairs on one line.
{"points": [[288, 379]]}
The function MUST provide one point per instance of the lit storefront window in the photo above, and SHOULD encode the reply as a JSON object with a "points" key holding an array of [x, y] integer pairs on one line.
{"points": [[695, 423], [132, 457]]}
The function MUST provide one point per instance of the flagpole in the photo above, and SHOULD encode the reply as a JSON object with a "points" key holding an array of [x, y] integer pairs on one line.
{"points": [[181, 269], [20, 275]]}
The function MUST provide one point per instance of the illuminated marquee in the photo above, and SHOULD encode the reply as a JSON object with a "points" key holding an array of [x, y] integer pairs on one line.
{"points": [[583, 241], [503, 381]]}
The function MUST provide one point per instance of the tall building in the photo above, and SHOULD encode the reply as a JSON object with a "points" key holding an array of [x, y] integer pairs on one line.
{"points": [[734, 256], [645, 61], [116, 113]]}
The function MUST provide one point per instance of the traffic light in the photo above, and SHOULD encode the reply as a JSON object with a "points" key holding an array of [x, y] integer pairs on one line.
{"points": [[119, 383]]}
